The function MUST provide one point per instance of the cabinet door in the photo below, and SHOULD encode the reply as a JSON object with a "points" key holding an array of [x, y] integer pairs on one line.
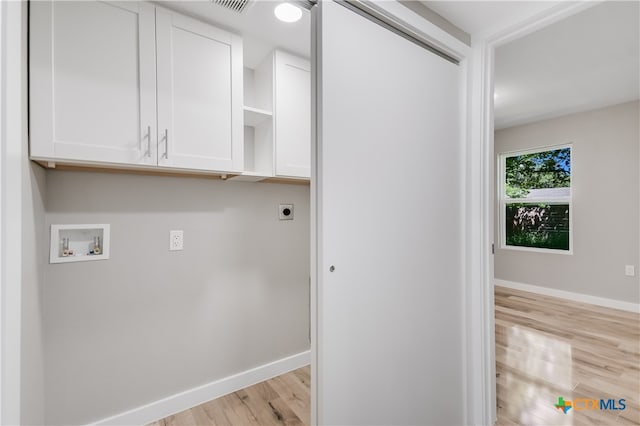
{"points": [[199, 95], [292, 115], [92, 81]]}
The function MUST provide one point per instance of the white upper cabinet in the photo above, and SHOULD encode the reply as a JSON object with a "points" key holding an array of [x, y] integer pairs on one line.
{"points": [[92, 73], [292, 115], [199, 95], [277, 118], [131, 83]]}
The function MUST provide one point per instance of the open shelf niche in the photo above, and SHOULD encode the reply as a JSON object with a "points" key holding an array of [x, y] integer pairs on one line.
{"points": [[258, 122]]}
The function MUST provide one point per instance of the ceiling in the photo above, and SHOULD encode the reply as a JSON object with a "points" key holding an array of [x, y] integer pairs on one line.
{"points": [[260, 29], [586, 61], [477, 17]]}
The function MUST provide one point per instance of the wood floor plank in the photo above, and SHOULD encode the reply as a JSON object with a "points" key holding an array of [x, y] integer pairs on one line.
{"points": [[285, 414], [548, 347], [236, 411], [630, 416], [258, 399], [294, 393], [304, 375]]}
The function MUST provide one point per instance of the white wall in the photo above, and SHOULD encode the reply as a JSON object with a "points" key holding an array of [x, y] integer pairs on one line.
{"points": [[33, 261], [149, 323], [605, 186], [34, 238], [22, 226]]}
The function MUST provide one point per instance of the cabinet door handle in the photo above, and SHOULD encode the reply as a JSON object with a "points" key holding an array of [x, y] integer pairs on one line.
{"points": [[166, 144], [148, 153]]}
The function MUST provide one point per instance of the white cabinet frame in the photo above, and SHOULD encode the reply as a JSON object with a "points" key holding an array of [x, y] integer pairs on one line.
{"points": [[291, 104], [169, 155], [43, 142]]}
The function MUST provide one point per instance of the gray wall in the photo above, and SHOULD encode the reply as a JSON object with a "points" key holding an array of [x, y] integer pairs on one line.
{"points": [[149, 323], [605, 185]]}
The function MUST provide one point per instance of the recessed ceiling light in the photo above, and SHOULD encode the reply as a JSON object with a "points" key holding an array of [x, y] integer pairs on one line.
{"points": [[286, 12]]}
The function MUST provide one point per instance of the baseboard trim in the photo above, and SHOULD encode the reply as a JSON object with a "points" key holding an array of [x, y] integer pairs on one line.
{"points": [[184, 400], [577, 297]]}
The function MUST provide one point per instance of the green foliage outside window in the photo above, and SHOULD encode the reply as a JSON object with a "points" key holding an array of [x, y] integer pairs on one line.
{"points": [[546, 169]]}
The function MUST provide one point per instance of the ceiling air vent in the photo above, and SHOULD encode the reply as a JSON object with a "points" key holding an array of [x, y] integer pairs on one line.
{"points": [[236, 5]]}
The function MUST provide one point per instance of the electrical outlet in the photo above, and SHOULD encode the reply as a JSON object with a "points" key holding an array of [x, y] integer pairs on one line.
{"points": [[285, 212], [630, 270], [176, 240]]}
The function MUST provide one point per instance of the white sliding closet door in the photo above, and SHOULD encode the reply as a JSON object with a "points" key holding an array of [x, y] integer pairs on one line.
{"points": [[390, 224]]}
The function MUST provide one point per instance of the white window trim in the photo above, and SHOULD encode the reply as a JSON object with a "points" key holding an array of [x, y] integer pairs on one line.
{"points": [[503, 200]]}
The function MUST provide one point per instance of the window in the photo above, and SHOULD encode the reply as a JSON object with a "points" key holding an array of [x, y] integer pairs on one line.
{"points": [[535, 200]]}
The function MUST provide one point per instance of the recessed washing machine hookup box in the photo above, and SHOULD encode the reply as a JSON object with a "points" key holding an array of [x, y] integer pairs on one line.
{"points": [[79, 243]]}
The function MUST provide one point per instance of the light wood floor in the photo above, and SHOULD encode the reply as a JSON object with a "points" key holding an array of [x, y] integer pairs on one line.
{"points": [[548, 347], [283, 400]]}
